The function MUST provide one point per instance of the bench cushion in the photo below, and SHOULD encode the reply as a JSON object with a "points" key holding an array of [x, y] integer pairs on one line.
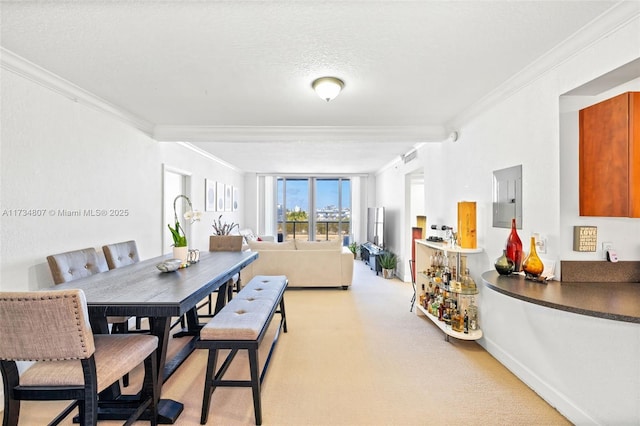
{"points": [[244, 317]]}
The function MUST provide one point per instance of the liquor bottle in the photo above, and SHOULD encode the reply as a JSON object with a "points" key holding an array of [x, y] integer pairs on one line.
{"points": [[466, 322], [472, 312], [514, 247], [421, 297], [446, 316], [456, 321], [445, 277]]}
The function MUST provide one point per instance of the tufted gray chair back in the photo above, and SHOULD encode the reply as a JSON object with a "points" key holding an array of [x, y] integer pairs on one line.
{"points": [[121, 254], [75, 264]]}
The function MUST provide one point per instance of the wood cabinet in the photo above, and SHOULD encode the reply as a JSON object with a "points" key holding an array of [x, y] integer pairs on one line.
{"points": [[610, 157]]}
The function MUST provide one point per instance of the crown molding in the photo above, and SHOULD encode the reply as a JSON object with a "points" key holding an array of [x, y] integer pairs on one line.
{"points": [[415, 134], [599, 28], [9, 61], [210, 156]]}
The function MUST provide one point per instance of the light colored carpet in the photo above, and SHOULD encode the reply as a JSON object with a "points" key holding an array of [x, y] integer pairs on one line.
{"points": [[356, 357]]}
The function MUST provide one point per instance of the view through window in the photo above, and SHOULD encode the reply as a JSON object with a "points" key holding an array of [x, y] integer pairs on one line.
{"points": [[314, 209]]}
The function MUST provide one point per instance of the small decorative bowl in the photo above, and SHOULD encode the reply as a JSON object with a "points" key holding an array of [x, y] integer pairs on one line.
{"points": [[169, 265]]}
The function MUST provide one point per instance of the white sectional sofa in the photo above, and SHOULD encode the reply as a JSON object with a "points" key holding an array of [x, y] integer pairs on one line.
{"points": [[305, 263]]}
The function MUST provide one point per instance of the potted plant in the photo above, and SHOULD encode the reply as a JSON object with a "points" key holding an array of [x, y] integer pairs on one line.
{"points": [[354, 249], [222, 240], [388, 262], [180, 248]]}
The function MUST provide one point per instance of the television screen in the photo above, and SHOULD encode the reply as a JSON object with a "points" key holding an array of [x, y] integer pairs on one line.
{"points": [[375, 226]]}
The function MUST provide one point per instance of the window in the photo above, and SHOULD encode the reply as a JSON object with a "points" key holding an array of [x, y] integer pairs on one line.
{"points": [[314, 208]]}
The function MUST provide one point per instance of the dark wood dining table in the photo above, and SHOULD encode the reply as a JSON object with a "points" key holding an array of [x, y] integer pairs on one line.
{"points": [[141, 290]]}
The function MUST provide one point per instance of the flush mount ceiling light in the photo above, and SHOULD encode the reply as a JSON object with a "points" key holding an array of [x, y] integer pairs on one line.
{"points": [[327, 87]]}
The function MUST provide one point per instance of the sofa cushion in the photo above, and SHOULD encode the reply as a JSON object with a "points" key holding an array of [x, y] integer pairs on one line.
{"points": [[270, 245], [318, 245]]}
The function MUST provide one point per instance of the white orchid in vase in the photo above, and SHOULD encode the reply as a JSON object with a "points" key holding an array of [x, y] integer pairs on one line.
{"points": [[178, 234]]}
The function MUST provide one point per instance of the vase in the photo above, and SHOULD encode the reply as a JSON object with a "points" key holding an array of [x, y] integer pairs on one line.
{"points": [[503, 264], [422, 224], [181, 253], [387, 273], [225, 242], [514, 247], [533, 264]]}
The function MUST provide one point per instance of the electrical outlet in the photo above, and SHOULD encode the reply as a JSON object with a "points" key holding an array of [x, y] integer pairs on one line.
{"points": [[606, 247], [541, 243]]}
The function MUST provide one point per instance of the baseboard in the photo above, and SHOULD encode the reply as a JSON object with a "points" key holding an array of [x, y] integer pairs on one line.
{"points": [[552, 396]]}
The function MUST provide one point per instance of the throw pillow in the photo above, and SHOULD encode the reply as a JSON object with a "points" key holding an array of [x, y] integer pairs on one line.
{"points": [[248, 235]]}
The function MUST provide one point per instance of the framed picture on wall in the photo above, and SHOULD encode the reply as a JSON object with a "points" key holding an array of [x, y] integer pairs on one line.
{"points": [[227, 198], [209, 195], [220, 196], [235, 199]]}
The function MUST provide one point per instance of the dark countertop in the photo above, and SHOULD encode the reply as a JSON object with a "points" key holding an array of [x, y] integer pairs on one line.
{"points": [[618, 301]]}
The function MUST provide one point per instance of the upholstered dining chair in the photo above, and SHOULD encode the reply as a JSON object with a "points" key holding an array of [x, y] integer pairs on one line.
{"points": [[122, 254], [72, 265], [75, 264], [71, 363]]}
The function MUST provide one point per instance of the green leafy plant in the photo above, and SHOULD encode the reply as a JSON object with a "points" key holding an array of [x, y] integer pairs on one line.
{"points": [[353, 247], [179, 237], [388, 260]]}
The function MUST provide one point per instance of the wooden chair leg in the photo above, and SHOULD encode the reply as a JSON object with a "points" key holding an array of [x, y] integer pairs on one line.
{"points": [[88, 407], [10, 379]]}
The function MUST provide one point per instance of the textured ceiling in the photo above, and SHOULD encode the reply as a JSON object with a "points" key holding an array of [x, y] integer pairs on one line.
{"points": [[234, 77]]}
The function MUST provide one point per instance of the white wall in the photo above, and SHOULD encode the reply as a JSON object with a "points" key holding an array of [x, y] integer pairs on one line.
{"points": [[58, 154], [391, 193], [566, 358], [614, 230]]}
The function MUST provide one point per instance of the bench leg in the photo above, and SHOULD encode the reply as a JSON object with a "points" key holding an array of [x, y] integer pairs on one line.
{"points": [[283, 315], [255, 384], [208, 384]]}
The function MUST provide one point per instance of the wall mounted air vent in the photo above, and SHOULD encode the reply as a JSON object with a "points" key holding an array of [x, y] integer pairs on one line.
{"points": [[411, 155]]}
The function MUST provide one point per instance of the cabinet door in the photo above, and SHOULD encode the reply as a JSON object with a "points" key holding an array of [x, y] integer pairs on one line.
{"points": [[634, 154], [604, 158]]}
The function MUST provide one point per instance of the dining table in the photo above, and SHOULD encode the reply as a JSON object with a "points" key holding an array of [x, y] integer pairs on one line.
{"points": [[142, 290]]}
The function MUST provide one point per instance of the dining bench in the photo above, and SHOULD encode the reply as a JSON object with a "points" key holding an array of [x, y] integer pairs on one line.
{"points": [[242, 325]]}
